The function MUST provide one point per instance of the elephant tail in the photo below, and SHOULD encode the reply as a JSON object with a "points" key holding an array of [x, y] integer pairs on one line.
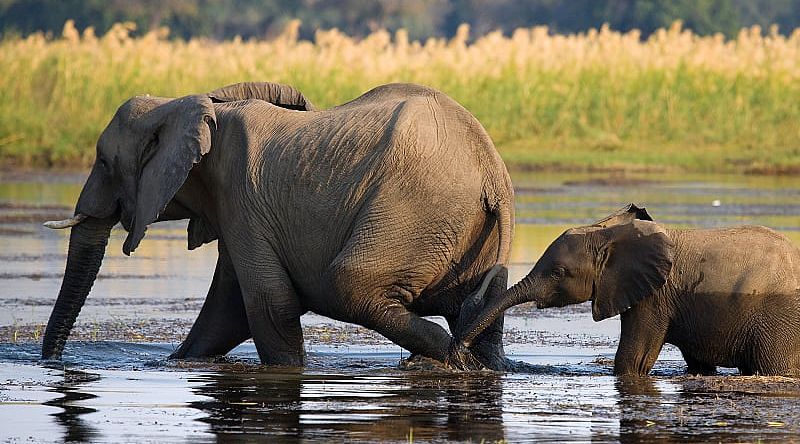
{"points": [[503, 212]]}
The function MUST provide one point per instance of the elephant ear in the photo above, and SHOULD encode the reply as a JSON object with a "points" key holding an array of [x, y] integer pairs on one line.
{"points": [[277, 94], [624, 215], [177, 135], [634, 261]]}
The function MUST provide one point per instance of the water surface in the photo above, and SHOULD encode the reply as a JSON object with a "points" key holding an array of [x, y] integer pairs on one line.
{"points": [[115, 384]]}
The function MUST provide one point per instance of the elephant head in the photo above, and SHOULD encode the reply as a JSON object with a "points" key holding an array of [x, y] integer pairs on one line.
{"points": [[144, 156], [615, 263]]}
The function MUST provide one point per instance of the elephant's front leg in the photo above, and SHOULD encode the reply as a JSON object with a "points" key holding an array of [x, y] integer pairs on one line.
{"points": [[222, 323], [640, 341], [273, 311]]}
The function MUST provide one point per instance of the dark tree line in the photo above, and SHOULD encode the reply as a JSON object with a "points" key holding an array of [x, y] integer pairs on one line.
{"points": [[221, 19]]}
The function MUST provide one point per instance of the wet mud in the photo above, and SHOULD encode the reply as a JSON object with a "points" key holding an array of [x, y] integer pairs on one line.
{"points": [[115, 383]]}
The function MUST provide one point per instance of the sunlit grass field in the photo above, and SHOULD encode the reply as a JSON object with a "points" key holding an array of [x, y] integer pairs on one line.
{"points": [[599, 100]]}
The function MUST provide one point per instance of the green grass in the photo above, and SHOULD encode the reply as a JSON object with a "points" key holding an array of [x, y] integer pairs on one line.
{"points": [[575, 110]]}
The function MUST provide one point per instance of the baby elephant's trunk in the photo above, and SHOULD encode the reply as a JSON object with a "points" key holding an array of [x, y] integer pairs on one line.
{"points": [[521, 292]]}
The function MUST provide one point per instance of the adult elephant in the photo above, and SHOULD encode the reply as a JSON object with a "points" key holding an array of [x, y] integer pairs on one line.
{"points": [[377, 212]]}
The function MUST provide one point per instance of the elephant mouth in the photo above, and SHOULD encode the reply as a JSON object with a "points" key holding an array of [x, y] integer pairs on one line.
{"points": [[115, 208], [550, 298]]}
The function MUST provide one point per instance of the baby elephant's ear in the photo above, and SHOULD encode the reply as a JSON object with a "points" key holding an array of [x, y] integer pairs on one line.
{"points": [[624, 215], [634, 261]]}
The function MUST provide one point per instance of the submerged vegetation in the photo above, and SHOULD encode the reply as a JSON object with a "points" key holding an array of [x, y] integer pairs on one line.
{"points": [[600, 99]]}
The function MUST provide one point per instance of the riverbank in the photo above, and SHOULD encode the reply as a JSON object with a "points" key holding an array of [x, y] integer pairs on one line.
{"points": [[632, 158], [537, 157]]}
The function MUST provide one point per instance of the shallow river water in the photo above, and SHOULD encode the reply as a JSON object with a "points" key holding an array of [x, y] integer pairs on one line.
{"points": [[115, 384]]}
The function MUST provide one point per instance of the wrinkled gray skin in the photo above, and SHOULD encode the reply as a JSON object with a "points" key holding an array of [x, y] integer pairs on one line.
{"points": [[376, 212], [725, 297]]}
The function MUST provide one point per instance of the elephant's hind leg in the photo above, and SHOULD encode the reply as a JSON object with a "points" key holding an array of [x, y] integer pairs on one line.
{"points": [[389, 317], [487, 346], [399, 258], [371, 299], [773, 348], [222, 323]]}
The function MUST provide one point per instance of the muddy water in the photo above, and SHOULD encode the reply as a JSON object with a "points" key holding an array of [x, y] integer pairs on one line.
{"points": [[116, 385]]}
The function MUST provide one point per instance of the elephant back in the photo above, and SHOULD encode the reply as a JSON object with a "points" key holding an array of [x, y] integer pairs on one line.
{"points": [[424, 105]]}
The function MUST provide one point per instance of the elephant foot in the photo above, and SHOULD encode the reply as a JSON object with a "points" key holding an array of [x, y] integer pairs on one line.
{"points": [[198, 360], [459, 357], [423, 363]]}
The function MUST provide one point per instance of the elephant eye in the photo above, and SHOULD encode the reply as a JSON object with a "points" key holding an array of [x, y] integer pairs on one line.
{"points": [[558, 272]]}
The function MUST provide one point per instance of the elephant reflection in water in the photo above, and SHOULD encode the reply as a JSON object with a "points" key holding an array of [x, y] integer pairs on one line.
{"points": [[450, 408], [640, 401], [75, 427], [246, 405], [691, 410]]}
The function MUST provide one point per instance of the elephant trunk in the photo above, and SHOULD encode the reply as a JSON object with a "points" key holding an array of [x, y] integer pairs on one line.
{"points": [[520, 293], [87, 245]]}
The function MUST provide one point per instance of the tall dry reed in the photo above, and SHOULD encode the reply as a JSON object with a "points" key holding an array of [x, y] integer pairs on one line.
{"points": [[597, 98]]}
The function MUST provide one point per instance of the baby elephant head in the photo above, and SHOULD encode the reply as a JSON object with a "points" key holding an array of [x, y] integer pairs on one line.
{"points": [[614, 267], [615, 263]]}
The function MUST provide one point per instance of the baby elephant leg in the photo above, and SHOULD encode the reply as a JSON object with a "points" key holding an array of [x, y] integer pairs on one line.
{"points": [[775, 346], [640, 341]]}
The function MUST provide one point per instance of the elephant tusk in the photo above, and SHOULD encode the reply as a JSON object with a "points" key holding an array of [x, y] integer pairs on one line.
{"points": [[66, 223]]}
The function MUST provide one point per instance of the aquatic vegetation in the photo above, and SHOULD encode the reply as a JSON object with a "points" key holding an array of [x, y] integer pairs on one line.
{"points": [[599, 99]]}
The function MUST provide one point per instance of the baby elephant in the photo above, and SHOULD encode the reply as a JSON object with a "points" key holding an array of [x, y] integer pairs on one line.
{"points": [[725, 297]]}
